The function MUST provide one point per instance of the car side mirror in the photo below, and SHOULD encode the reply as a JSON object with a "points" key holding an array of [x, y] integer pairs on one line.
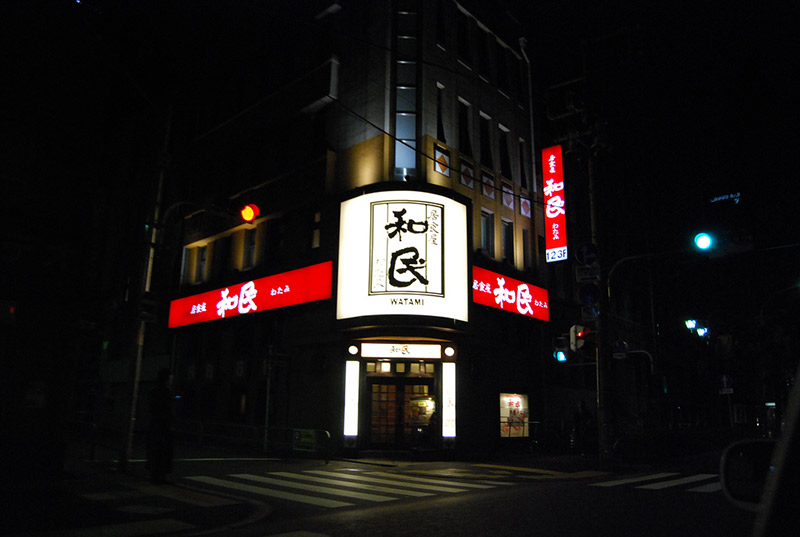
{"points": [[744, 468]]}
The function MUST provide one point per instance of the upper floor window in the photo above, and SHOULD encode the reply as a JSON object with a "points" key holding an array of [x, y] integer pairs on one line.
{"points": [[505, 155], [440, 114], [524, 178], [315, 233], [487, 232], [464, 131], [486, 142], [508, 241], [464, 48], [201, 258]]}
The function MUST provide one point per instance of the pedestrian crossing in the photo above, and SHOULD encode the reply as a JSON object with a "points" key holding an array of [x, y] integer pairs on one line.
{"points": [[667, 480], [340, 488]]}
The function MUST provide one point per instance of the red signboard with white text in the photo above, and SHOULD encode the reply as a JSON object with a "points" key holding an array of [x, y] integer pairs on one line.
{"points": [[501, 292], [555, 215], [307, 284]]}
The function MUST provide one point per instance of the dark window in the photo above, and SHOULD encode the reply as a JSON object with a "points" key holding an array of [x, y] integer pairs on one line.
{"points": [[508, 241], [200, 264], [464, 132], [487, 233], [440, 116], [486, 144], [526, 247], [524, 179], [464, 52], [501, 66], [505, 156], [484, 55]]}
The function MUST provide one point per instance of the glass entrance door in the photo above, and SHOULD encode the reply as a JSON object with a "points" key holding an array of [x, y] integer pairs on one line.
{"points": [[401, 410]]}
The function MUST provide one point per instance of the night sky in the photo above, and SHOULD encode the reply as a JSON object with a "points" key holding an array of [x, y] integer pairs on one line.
{"points": [[700, 103], [695, 100]]}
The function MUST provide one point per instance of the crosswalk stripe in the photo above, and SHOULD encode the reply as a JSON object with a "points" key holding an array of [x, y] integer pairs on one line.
{"points": [[314, 488], [676, 482], [361, 486], [432, 481], [519, 469], [244, 487], [633, 480], [358, 477], [711, 487]]}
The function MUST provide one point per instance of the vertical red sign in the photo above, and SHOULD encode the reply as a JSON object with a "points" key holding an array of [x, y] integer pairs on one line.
{"points": [[555, 209]]}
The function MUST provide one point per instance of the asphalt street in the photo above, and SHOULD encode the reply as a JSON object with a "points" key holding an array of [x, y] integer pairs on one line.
{"points": [[228, 492]]}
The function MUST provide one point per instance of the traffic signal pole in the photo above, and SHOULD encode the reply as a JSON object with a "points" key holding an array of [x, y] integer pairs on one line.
{"points": [[144, 288]]}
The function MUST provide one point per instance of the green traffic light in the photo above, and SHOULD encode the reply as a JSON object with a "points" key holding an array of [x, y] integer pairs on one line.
{"points": [[703, 241], [560, 356]]}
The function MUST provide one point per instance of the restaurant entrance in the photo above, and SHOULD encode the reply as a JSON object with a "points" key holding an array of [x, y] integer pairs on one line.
{"points": [[400, 412]]}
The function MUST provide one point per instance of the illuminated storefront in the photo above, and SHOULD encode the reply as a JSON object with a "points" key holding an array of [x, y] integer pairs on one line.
{"points": [[402, 254]]}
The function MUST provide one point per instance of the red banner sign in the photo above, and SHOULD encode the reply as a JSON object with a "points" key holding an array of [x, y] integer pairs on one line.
{"points": [[501, 292], [555, 208], [299, 286]]}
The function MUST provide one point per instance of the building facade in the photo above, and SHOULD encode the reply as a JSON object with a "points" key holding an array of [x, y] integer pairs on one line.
{"points": [[388, 292]]}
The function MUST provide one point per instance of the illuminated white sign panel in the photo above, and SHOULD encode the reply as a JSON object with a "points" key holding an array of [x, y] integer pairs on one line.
{"points": [[449, 397], [351, 386], [400, 350], [403, 253]]}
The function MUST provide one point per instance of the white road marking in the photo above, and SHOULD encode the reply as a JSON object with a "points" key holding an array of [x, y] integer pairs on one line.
{"points": [[314, 488], [346, 483], [633, 480], [359, 477], [676, 482], [262, 491]]}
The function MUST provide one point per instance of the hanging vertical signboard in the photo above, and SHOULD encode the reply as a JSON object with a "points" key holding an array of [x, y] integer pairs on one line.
{"points": [[555, 210]]}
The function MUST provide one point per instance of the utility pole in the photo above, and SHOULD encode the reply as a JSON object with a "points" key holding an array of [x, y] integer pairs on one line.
{"points": [[145, 284]]}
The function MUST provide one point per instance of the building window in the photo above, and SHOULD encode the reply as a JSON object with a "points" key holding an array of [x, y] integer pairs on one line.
{"points": [[487, 185], [441, 161], [486, 142], [484, 51], [440, 114], [508, 195], [315, 233], [508, 242], [524, 178], [441, 26], [406, 99], [501, 66], [464, 51], [487, 233], [514, 415], [467, 175], [200, 264], [464, 132], [505, 155]]}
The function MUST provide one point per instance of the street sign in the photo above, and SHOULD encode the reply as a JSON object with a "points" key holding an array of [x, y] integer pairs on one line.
{"points": [[725, 382]]}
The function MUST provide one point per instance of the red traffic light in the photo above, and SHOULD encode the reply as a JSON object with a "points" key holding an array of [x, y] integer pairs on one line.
{"points": [[249, 212]]}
